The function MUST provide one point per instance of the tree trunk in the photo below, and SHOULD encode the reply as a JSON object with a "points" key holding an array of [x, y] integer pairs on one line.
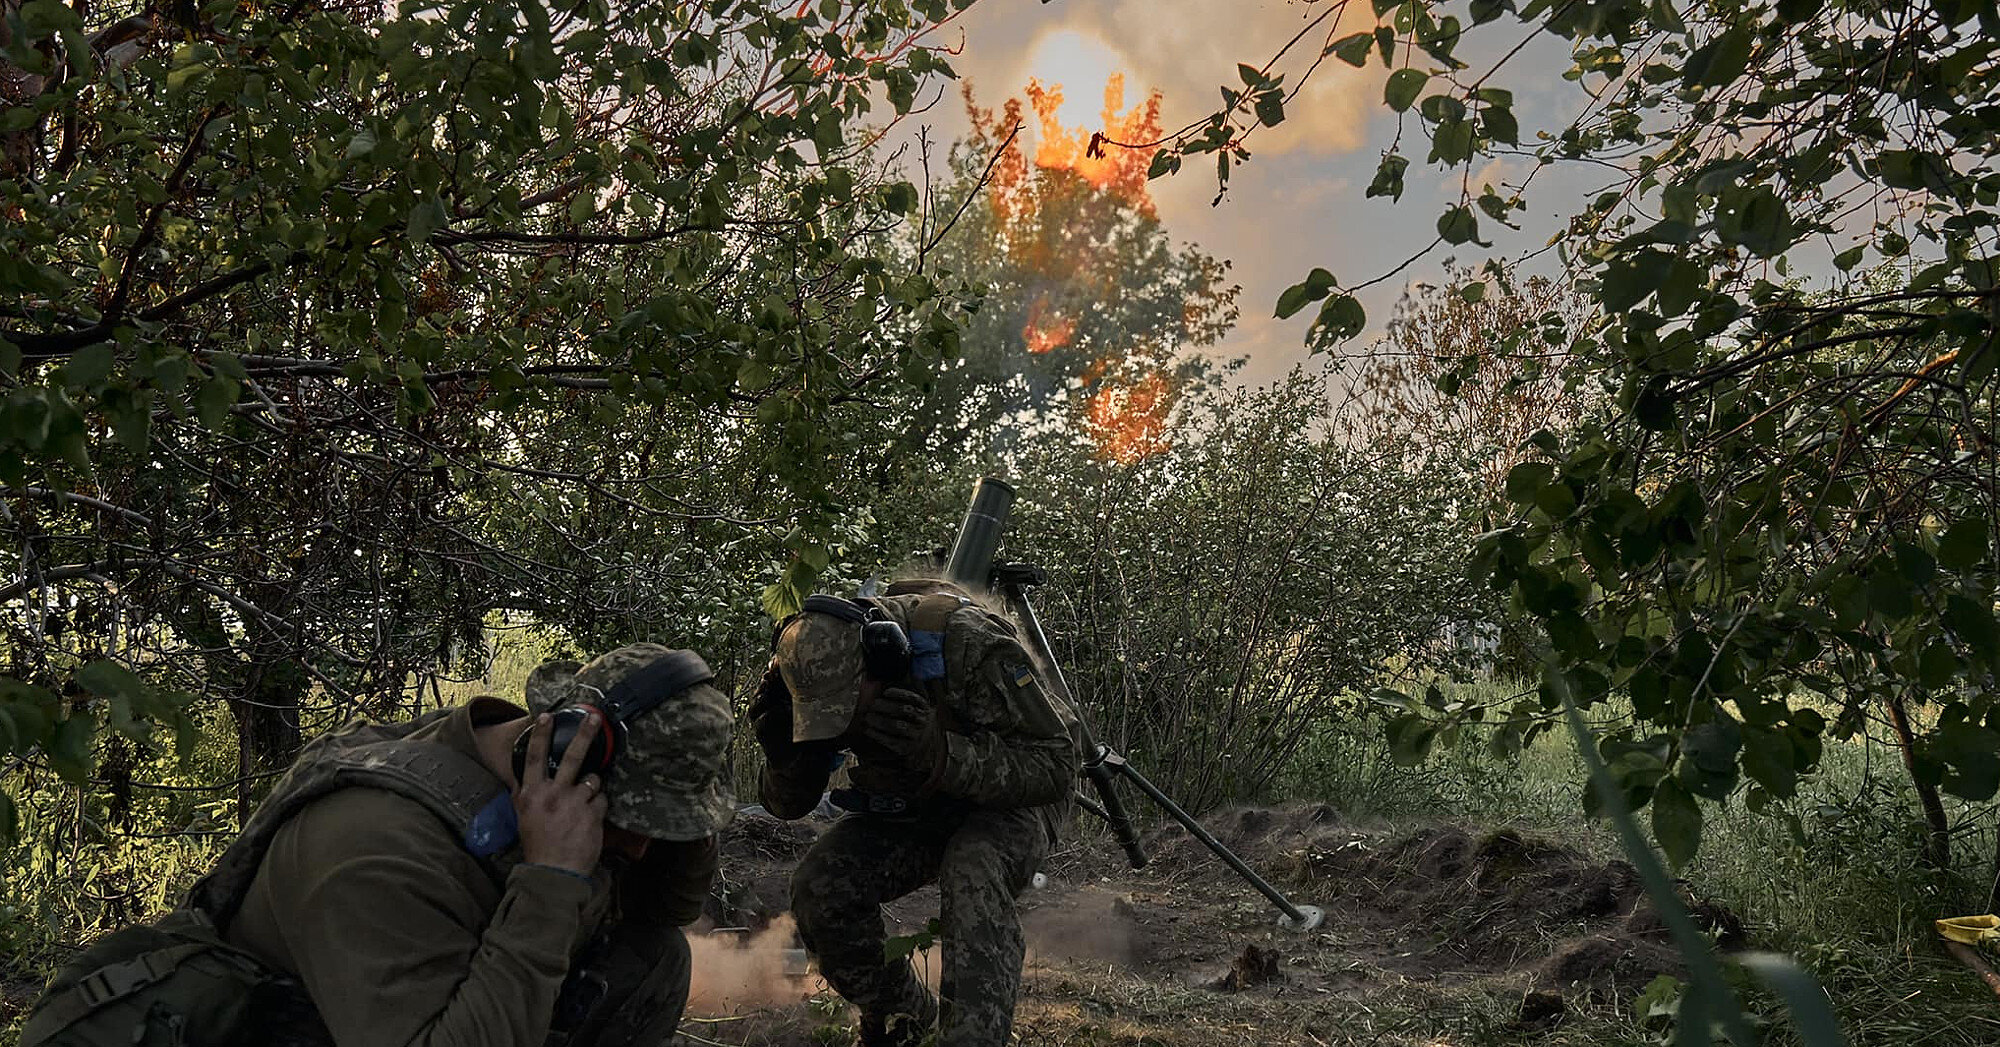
{"points": [[1937, 849]]}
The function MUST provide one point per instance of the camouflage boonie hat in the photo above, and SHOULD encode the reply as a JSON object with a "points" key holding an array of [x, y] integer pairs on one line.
{"points": [[667, 783], [820, 658]]}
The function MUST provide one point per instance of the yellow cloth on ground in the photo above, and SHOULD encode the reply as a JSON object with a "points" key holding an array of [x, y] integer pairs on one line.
{"points": [[1971, 930]]}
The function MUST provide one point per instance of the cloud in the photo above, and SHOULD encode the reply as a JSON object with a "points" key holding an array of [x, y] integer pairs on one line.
{"points": [[1187, 49]]}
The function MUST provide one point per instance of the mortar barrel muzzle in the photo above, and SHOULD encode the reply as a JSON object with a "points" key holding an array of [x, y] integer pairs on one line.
{"points": [[971, 563]]}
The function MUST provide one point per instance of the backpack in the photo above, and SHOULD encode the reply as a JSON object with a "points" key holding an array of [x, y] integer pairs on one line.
{"points": [[173, 983], [177, 982]]}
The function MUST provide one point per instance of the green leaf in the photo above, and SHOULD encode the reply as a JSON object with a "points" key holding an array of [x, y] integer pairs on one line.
{"points": [[1767, 759], [1497, 123], [10, 821], [1389, 178], [1270, 108], [1722, 59], [1313, 288], [1341, 318], [1527, 478], [900, 198], [88, 366], [1709, 996], [216, 397], [1912, 169], [1630, 278], [1352, 49], [69, 748], [1403, 87], [1676, 822], [1452, 141], [1971, 621], [1812, 1011], [901, 947], [1798, 12], [1410, 739], [1963, 545], [108, 679], [1665, 15], [428, 216], [1458, 225]]}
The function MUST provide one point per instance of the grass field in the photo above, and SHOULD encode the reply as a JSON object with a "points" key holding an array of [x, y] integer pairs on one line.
{"points": [[1843, 890]]}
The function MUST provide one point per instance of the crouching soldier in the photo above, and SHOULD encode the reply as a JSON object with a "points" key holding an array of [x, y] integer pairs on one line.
{"points": [[481, 875], [963, 769]]}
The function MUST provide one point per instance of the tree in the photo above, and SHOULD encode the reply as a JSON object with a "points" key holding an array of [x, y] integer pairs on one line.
{"points": [[1251, 576], [325, 329], [1088, 307], [1470, 369], [1792, 507]]}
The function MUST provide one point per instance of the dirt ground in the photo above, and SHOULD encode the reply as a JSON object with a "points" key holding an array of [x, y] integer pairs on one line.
{"points": [[1440, 936]]}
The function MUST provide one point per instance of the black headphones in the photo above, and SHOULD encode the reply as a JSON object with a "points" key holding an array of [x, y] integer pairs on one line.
{"points": [[640, 692], [885, 648]]}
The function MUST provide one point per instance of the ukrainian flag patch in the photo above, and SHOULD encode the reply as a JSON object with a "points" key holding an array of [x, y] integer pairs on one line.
{"points": [[1023, 676]]}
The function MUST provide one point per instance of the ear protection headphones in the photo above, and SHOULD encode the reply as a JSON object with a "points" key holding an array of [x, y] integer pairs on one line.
{"points": [[885, 648], [640, 692]]}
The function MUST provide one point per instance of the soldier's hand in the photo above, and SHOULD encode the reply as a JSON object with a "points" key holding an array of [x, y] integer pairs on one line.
{"points": [[561, 816], [771, 716], [904, 723]]}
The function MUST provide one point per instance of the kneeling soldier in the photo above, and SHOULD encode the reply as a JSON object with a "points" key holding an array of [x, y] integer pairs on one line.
{"points": [[963, 769], [448, 881]]}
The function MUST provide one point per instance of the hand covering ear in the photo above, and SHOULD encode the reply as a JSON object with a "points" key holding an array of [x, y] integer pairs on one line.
{"points": [[904, 723]]}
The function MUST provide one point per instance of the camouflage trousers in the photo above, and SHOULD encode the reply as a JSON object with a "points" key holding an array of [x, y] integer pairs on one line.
{"points": [[980, 863]]}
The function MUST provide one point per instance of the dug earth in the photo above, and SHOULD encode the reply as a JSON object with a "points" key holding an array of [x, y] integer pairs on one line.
{"points": [[1434, 936]]}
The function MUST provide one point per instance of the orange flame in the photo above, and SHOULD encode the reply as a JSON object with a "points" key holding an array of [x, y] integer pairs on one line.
{"points": [[1115, 168], [1128, 421], [1043, 333]]}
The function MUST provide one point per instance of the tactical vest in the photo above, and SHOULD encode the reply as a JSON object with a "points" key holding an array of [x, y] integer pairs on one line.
{"points": [[938, 651], [178, 982]]}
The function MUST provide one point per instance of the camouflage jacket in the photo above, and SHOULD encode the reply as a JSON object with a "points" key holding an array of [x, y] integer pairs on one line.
{"points": [[1009, 741]]}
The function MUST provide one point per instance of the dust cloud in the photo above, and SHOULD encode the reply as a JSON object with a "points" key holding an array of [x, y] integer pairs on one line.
{"points": [[735, 972], [1091, 926]]}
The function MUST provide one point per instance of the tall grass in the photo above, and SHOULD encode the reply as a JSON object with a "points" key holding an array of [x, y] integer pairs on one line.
{"points": [[1833, 876]]}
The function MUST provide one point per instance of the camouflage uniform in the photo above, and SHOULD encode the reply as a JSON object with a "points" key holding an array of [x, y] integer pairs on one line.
{"points": [[402, 932], [977, 823]]}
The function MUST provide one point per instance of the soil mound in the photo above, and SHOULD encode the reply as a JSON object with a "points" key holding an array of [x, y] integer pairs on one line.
{"points": [[1449, 900], [753, 885], [1505, 901], [1252, 832]]}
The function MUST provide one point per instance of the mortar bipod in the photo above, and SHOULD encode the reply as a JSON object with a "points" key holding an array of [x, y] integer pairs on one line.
{"points": [[1102, 764]]}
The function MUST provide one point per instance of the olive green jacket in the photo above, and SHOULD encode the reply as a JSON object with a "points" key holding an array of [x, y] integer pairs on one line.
{"points": [[402, 937]]}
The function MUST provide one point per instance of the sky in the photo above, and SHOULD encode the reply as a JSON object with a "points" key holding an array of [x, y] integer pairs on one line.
{"points": [[1299, 202]]}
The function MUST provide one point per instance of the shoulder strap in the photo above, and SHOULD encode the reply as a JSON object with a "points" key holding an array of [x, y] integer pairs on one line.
{"points": [[115, 981], [450, 784], [658, 680], [932, 613]]}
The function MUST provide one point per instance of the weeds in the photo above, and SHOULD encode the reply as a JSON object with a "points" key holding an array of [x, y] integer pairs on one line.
{"points": [[1835, 876]]}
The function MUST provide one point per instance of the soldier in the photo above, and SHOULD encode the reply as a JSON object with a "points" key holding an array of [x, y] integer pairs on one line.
{"points": [[963, 768], [445, 882]]}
